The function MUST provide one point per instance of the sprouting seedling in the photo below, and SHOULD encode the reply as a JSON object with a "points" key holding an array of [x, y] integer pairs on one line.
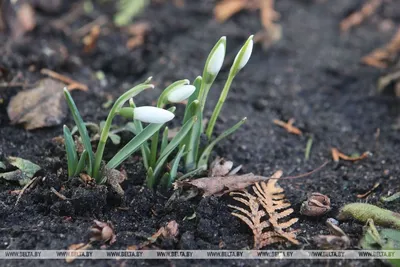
{"points": [[91, 161]]}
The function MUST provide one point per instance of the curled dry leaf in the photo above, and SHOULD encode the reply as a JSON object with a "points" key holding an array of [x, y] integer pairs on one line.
{"points": [[103, 232], [114, 178], [26, 170], [265, 212], [337, 155], [220, 185], [170, 231], [317, 204], [79, 249], [39, 107], [336, 240]]}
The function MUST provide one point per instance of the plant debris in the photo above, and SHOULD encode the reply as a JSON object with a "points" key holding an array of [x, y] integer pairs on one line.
{"points": [[26, 188], [138, 32], [103, 232], [317, 204], [336, 240], [271, 32], [26, 170], [359, 16], [72, 84], [362, 212], [222, 167], [337, 155], [265, 213], [380, 57], [58, 194], [19, 18], [128, 9], [369, 191], [220, 185], [90, 40], [170, 231], [81, 247], [289, 126], [389, 79], [42, 106]]}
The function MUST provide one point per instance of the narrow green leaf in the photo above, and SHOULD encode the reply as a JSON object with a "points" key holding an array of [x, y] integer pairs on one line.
{"points": [[164, 181], [203, 161], [82, 129], [150, 178], [164, 141], [192, 145], [82, 162], [172, 145], [70, 148], [133, 145], [175, 165]]}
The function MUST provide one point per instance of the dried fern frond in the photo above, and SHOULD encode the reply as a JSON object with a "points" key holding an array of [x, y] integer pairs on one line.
{"points": [[266, 210]]}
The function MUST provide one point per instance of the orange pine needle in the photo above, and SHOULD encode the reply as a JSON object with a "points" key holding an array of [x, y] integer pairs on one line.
{"points": [[289, 126], [337, 155], [358, 17], [72, 84], [369, 191]]}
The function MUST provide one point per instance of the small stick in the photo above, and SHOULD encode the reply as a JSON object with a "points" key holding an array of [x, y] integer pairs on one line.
{"points": [[305, 174], [308, 148], [24, 189], [72, 84], [289, 126], [369, 191], [61, 196]]}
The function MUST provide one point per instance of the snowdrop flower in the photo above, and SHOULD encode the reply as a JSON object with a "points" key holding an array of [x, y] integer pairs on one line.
{"points": [[151, 114], [216, 57], [181, 93], [243, 56]]}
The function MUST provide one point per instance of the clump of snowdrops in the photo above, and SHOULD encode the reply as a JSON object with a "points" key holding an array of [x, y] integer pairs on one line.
{"points": [[149, 121]]}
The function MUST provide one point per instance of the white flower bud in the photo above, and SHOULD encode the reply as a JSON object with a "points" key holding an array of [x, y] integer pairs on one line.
{"points": [[217, 58], [181, 93], [151, 114], [244, 54]]}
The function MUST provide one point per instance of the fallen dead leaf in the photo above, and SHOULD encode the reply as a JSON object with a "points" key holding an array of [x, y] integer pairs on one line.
{"points": [[170, 231], [39, 107], [220, 167], [220, 185], [227, 8], [114, 178], [336, 240], [289, 126], [26, 170]]}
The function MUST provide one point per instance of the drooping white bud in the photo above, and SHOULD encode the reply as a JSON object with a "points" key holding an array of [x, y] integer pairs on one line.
{"points": [[217, 57], [151, 114], [243, 55], [181, 93]]}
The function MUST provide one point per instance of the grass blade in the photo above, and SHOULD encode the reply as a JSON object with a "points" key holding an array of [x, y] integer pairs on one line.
{"points": [[70, 148], [203, 160], [81, 128], [133, 145]]}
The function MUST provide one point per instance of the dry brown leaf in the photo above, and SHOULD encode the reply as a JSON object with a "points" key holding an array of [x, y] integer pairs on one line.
{"points": [[289, 126], [103, 232], [39, 107], [220, 185], [170, 231], [317, 204], [19, 18], [380, 57], [220, 167], [265, 213], [72, 84], [81, 247], [271, 32], [359, 16], [369, 191], [336, 240]]}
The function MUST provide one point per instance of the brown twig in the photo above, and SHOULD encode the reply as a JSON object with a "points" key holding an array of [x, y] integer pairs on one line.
{"points": [[31, 183], [337, 155], [61, 196], [369, 191], [359, 16], [72, 84], [289, 126]]}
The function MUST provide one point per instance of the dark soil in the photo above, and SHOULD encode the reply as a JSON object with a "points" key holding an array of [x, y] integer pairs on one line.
{"points": [[313, 75]]}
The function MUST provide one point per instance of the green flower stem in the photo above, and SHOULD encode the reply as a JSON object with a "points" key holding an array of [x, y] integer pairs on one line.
{"points": [[219, 105], [107, 125]]}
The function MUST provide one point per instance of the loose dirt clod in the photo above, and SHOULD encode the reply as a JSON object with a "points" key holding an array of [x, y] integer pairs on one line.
{"points": [[269, 201]]}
